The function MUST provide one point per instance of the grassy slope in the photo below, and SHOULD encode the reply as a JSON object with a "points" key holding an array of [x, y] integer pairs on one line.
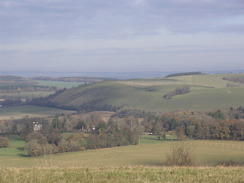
{"points": [[207, 92], [32, 111]]}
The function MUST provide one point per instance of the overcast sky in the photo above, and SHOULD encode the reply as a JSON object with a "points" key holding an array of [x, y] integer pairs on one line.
{"points": [[121, 35]]}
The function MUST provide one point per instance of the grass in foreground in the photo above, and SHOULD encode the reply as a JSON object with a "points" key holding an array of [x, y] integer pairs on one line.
{"points": [[124, 174]]}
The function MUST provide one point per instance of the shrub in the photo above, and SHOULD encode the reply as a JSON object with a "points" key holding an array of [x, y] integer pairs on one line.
{"points": [[41, 139], [181, 154], [4, 142], [178, 91], [217, 115], [33, 148]]}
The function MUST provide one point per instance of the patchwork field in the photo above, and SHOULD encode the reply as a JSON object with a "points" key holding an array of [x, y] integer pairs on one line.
{"points": [[16, 87], [17, 112], [26, 94]]}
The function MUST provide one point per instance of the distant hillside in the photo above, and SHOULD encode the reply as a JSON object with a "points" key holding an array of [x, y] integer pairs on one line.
{"points": [[71, 79], [237, 79], [15, 90], [206, 92]]}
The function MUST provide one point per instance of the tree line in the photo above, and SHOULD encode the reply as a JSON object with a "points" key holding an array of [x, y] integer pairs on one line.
{"points": [[221, 125], [66, 133], [197, 125], [60, 135]]}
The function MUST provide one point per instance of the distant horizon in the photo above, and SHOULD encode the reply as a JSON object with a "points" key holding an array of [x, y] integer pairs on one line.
{"points": [[110, 74], [125, 71]]}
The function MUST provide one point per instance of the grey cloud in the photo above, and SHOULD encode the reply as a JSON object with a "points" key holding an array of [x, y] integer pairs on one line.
{"points": [[113, 19]]}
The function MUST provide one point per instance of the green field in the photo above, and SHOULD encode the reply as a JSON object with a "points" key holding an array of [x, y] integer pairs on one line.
{"points": [[18, 112], [140, 163], [207, 92], [150, 152]]}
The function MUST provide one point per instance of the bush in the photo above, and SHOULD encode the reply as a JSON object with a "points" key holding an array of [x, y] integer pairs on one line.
{"points": [[33, 148], [217, 115], [178, 91], [4, 142], [41, 139], [181, 154]]}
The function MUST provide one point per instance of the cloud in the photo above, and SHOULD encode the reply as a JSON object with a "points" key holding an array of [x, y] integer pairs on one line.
{"points": [[139, 2], [109, 31], [115, 19], [6, 4]]}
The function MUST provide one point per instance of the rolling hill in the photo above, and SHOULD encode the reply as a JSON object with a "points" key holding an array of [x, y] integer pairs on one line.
{"points": [[206, 92]]}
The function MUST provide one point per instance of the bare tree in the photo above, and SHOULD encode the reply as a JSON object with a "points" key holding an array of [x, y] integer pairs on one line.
{"points": [[181, 154]]}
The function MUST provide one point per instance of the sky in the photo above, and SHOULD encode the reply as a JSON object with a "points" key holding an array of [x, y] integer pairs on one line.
{"points": [[121, 35]]}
